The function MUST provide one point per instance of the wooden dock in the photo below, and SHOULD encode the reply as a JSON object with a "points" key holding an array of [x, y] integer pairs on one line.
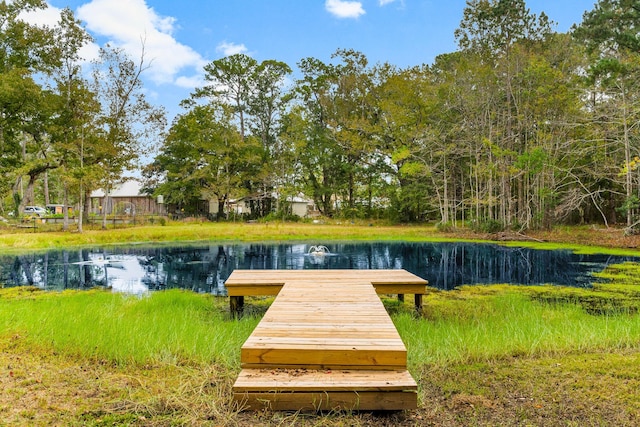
{"points": [[326, 343], [243, 283]]}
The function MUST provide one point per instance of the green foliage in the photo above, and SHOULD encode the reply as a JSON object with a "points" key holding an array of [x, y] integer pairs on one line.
{"points": [[169, 327], [612, 23], [532, 162], [492, 27], [487, 226], [630, 203], [444, 227], [281, 216], [203, 156], [487, 131]]}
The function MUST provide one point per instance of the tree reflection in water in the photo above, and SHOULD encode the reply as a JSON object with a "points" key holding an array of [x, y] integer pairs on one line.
{"points": [[204, 268]]}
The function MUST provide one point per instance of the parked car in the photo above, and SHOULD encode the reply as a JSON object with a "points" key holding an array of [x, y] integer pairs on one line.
{"points": [[35, 210]]}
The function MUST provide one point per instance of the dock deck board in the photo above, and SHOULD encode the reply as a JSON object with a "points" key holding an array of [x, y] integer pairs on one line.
{"points": [[321, 347], [243, 283]]}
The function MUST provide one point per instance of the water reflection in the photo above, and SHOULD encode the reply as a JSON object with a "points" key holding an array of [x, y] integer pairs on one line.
{"points": [[204, 268]]}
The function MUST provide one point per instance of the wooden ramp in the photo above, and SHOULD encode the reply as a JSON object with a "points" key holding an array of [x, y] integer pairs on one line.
{"points": [[322, 347]]}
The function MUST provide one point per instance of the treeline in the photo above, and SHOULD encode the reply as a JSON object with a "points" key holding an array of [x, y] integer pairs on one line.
{"points": [[521, 127], [66, 127]]}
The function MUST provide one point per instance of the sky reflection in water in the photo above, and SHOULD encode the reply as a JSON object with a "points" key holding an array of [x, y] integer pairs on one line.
{"points": [[204, 268]]}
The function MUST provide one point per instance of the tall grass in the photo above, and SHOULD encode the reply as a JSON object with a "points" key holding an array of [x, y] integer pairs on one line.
{"points": [[183, 327], [510, 324], [172, 326]]}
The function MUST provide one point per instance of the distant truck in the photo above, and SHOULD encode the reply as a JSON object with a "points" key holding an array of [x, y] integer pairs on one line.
{"points": [[54, 209]]}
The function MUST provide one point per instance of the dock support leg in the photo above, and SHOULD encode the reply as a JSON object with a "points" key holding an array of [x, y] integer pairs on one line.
{"points": [[418, 303], [236, 304], [401, 297]]}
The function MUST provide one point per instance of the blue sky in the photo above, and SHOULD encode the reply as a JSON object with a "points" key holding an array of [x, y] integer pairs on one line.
{"points": [[182, 36]]}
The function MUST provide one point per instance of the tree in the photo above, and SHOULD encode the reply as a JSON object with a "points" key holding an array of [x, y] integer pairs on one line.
{"points": [[126, 120], [204, 156], [267, 103], [322, 165], [609, 33], [230, 83], [338, 150], [402, 126], [25, 50], [77, 107], [253, 92], [501, 33]]}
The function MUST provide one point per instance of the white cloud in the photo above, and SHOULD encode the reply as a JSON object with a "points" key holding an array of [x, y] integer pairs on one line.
{"points": [[383, 3], [129, 24], [344, 9], [228, 49], [49, 16], [190, 82]]}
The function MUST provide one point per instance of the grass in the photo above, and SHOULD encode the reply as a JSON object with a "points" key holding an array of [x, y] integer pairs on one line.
{"points": [[582, 239], [177, 327], [174, 232], [468, 328], [165, 327], [496, 355]]}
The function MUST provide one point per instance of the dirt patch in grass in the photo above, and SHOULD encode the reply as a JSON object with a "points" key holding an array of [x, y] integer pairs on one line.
{"points": [[43, 388]]}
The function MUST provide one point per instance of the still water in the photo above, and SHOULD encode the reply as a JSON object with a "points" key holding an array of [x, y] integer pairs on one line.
{"points": [[204, 268]]}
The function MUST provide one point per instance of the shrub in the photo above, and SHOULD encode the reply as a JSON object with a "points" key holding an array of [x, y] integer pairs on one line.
{"points": [[444, 227], [487, 226]]}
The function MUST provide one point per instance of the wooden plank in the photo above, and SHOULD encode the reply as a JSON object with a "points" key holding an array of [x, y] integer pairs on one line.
{"points": [[269, 282], [292, 355], [253, 290], [396, 288], [281, 276], [324, 380], [323, 390], [324, 366], [320, 401], [305, 341]]}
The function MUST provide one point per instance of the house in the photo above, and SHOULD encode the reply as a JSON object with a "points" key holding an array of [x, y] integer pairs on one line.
{"points": [[126, 199], [296, 205], [300, 206]]}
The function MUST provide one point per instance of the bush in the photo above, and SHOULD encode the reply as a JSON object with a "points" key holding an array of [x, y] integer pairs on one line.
{"points": [[488, 226], [444, 227], [280, 216]]}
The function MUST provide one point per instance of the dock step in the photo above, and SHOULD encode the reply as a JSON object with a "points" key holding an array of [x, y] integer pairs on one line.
{"points": [[326, 343], [325, 390]]}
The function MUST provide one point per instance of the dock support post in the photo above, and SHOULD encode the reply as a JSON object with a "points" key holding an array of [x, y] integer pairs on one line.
{"points": [[236, 304], [418, 303]]}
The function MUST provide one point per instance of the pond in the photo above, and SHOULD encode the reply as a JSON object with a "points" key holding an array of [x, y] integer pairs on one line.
{"points": [[204, 268]]}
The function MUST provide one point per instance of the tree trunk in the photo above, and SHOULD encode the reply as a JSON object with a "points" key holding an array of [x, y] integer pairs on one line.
{"points": [[65, 211], [46, 188]]}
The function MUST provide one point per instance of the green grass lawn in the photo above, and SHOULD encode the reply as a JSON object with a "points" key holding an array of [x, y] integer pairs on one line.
{"points": [[582, 239]]}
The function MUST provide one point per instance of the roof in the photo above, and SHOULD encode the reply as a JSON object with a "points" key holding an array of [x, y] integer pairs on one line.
{"points": [[129, 188]]}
